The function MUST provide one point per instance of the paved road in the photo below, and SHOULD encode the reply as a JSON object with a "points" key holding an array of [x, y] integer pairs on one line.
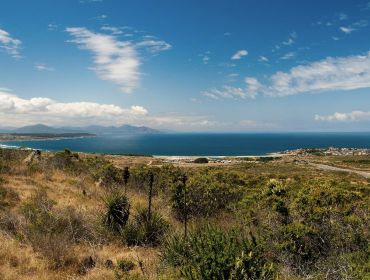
{"points": [[364, 174]]}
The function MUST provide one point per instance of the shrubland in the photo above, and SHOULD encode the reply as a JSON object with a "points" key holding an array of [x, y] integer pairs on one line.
{"points": [[79, 216]]}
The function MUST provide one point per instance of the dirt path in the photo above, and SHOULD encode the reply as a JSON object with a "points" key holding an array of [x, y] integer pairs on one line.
{"points": [[364, 174]]}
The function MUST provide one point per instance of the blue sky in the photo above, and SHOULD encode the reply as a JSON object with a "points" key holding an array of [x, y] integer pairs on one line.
{"points": [[217, 66]]}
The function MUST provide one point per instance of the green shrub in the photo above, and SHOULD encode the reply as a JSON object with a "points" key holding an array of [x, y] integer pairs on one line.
{"points": [[201, 160], [125, 265], [225, 254], [51, 233], [208, 193], [116, 210], [144, 229], [174, 249]]}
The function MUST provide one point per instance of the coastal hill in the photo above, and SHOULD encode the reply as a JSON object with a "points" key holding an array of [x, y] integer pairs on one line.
{"points": [[95, 129]]}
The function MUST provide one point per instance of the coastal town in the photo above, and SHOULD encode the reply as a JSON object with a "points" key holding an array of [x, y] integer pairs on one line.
{"points": [[331, 151]]}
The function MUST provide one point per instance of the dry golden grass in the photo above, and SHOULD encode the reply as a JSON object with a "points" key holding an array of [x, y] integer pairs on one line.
{"points": [[19, 261]]}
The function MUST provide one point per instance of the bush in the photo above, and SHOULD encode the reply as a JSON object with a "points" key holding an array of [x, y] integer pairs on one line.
{"points": [[221, 254], [52, 233], [208, 193], [174, 249], [144, 229], [201, 160], [117, 210]]}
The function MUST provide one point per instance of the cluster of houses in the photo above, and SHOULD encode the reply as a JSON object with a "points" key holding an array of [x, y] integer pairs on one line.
{"points": [[331, 151]]}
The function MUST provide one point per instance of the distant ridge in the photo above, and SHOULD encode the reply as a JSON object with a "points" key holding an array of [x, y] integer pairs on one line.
{"points": [[95, 129]]}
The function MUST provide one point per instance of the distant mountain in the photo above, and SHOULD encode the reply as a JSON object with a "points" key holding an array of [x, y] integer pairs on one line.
{"points": [[40, 128], [95, 129]]}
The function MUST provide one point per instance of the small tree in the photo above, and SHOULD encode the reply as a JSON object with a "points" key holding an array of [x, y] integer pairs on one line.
{"points": [[201, 160]]}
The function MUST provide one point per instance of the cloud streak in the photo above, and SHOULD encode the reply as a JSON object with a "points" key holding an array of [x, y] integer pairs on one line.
{"points": [[18, 111], [239, 54], [330, 74], [9, 44], [116, 61], [345, 117]]}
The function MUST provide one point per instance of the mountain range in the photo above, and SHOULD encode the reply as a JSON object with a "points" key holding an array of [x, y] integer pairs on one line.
{"points": [[94, 129]]}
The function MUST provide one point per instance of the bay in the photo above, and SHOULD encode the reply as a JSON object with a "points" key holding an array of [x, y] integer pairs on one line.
{"points": [[200, 144]]}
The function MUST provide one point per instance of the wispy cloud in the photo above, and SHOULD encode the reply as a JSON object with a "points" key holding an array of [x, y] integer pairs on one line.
{"points": [[263, 59], [330, 74], [153, 46], [289, 55], [226, 64], [250, 91], [116, 61], [347, 30], [52, 26], [116, 30], [227, 34], [345, 117], [9, 44], [335, 38], [342, 16], [239, 54], [232, 75], [100, 18], [42, 66], [18, 111], [289, 42], [210, 95], [195, 101]]}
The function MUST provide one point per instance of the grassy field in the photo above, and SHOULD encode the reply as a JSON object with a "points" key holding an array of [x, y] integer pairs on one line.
{"points": [[65, 215]]}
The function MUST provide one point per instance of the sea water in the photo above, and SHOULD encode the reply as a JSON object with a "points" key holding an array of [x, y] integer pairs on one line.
{"points": [[200, 144]]}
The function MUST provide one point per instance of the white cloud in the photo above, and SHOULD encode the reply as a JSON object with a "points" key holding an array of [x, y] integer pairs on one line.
{"points": [[253, 124], [226, 64], [345, 117], [293, 34], [42, 66], [343, 16], [330, 74], [361, 23], [232, 75], [114, 30], [239, 54], [289, 42], [100, 18], [52, 27], [116, 61], [154, 46], [335, 38], [195, 101], [9, 44], [347, 30], [288, 55], [210, 95], [18, 111], [206, 58], [262, 58], [227, 34], [250, 91]]}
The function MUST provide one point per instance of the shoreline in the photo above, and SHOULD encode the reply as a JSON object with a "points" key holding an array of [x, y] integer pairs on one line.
{"points": [[42, 139]]}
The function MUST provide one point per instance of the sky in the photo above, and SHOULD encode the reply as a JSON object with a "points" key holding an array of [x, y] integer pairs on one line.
{"points": [[187, 66]]}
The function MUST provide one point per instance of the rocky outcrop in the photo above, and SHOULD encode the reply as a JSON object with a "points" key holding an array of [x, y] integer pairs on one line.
{"points": [[34, 157]]}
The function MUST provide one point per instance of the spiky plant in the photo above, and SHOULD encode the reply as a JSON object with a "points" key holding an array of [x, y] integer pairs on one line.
{"points": [[116, 210]]}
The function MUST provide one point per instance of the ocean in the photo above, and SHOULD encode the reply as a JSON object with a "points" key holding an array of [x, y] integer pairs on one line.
{"points": [[200, 144]]}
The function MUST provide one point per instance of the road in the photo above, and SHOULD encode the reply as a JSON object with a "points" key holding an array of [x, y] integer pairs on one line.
{"points": [[323, 166]]}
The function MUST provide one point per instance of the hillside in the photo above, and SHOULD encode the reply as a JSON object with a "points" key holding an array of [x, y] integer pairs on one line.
{"points": [[70, 215], [94, 129]]}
